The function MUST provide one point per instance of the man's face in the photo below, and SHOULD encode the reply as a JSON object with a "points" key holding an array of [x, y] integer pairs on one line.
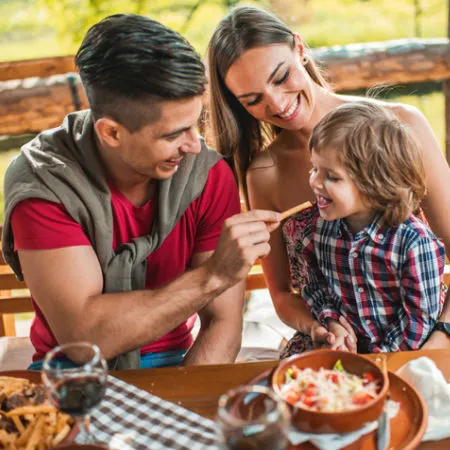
{"points": [[156, 150]]}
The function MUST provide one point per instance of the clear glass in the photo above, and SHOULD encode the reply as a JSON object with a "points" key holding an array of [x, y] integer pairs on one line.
{"points": [[253, 417], [78, 389]]}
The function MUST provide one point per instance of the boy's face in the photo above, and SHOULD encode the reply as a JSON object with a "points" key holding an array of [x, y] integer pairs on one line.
{"points": [[336, 193]]}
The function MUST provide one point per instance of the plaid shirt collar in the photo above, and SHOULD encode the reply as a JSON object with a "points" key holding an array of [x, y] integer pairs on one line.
{"points": [[375, 230]]}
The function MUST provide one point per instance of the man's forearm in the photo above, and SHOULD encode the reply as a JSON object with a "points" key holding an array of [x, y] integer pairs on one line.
{"points": [[127, 320], [217, 343]]}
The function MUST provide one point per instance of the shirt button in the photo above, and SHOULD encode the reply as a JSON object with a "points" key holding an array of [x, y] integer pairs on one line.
{"points": [[380, 236], [360, 289], [367, 321], [354, 255]]}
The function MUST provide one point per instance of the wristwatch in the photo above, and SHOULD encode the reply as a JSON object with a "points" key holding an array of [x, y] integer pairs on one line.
{"points": [[442, 326]]}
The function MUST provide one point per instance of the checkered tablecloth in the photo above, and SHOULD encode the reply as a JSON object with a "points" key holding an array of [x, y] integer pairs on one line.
{"points": [[129, 418]]}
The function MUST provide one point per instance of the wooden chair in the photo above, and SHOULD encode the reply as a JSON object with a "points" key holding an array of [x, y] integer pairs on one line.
{"points": [[14, 299]]}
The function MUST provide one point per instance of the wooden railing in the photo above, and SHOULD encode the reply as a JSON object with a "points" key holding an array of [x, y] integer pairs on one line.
{"points": [[37, 94]]}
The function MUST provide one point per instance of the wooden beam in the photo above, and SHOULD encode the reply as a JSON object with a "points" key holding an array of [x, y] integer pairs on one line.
{"points": [[446, 90], [43, 68], [7, 325], [34, 104], [360, 66], [16, 305]]}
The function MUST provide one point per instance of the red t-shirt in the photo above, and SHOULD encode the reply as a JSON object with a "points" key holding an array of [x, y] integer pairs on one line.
{"points": [[39, 224]]}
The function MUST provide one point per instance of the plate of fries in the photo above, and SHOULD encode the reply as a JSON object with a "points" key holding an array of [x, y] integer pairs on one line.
{"points": [[27, 420]]}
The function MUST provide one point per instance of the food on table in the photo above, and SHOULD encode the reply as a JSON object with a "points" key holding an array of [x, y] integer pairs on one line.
{"points": [[328, 390], [27, 421]]}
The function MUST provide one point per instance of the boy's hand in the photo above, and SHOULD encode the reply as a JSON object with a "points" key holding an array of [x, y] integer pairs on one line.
{"points": [[340, 334], [351, 339]]}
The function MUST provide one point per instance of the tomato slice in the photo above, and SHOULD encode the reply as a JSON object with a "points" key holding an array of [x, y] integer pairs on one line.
{"points": [[308, 400], [333, 377], [292, 397], [368, 377], [311, 390], [361, 398]]}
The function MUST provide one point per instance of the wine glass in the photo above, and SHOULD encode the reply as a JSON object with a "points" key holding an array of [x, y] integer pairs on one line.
{"points": [[75, 377], [253, 418]]}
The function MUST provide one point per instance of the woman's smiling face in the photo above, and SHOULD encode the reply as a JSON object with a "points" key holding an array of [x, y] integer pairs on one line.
{"points": [[273, 85]]}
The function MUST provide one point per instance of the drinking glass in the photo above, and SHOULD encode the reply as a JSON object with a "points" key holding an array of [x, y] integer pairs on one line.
{"points": [[253, 417], [78, 385]]}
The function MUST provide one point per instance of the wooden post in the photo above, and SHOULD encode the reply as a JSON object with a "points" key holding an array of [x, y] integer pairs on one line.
{"points": [[446, 89]]}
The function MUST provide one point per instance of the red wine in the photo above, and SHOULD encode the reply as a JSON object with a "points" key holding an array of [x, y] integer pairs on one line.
{"points": [[270, 438], [77, 396]]}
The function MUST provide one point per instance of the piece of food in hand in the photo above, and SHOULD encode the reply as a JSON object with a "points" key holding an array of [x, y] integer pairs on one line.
{"points": [[328, 390], [27, 420]]}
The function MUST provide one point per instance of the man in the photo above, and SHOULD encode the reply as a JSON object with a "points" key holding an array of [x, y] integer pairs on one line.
{"points": [[114, 218]]}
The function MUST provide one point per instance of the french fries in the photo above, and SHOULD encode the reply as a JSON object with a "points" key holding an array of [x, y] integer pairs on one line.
{"points": [[295, 210], [29, 427]]}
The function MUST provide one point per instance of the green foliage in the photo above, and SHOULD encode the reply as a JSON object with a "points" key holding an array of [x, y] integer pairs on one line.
{"points": [[194, 18], [37, 28], [336, 22]]}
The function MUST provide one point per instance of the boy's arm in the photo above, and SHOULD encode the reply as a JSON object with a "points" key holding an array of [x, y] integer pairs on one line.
{"points": [[421, 278], [318, 295]]}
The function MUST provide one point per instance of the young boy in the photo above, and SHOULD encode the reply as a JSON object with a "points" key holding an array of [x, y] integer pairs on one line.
{"points": [[359, 252]]}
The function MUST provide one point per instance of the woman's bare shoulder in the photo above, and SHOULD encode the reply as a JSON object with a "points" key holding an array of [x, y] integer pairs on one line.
{"points": [[407, 114]]}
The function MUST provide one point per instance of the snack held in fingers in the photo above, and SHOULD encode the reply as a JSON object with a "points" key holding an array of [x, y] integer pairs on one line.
{"points": [[295, 209]]}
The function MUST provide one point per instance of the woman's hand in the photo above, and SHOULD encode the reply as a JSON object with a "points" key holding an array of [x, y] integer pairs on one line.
{"points": [[351, 339], [321, 337]]}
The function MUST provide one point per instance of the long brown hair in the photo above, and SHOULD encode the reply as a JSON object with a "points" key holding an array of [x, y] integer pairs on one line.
{"points": [[237, 134], [380, 155]]}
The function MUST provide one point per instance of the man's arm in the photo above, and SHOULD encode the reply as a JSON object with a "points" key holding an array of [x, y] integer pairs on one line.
{"points": [[219, 338], [67, 284]]}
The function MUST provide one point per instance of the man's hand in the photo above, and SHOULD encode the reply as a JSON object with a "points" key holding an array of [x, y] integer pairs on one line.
{"points": [[244, 239]]}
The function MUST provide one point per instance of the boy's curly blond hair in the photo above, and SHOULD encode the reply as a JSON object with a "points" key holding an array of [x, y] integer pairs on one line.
{"points": [[380, 155]]}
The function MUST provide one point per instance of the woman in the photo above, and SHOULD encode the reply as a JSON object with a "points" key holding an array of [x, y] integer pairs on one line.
{"points": [[266, 96]]}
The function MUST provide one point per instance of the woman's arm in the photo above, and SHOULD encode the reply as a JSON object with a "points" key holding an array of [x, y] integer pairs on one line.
{"points": [[436, 204], [289, 306]]}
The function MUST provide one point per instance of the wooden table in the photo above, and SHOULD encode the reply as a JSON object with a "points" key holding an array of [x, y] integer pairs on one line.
{"points": [[198, 388]]}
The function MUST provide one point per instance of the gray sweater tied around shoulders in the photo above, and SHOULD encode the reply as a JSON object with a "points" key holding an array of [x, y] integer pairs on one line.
{"points": [[62, 165]]}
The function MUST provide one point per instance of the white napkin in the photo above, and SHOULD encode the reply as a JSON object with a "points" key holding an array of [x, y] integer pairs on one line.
{"points": [[338, 441], [423, 374]]}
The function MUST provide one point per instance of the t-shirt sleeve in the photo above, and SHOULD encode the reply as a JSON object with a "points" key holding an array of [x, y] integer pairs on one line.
{"points": [[40, 225], [218, 201]]}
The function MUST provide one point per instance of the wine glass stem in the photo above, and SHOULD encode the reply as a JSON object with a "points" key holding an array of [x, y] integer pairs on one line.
{"points": [[85, 436]]}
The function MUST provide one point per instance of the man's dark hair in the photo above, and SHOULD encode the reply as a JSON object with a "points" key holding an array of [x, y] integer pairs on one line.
{"points": [[128, 63]]}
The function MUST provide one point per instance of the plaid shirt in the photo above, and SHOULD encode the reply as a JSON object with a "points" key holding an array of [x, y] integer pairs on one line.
{"points": [[386, 281]]}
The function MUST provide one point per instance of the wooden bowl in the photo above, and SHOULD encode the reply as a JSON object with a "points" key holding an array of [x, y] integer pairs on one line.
{"points": [[333, 422]]}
